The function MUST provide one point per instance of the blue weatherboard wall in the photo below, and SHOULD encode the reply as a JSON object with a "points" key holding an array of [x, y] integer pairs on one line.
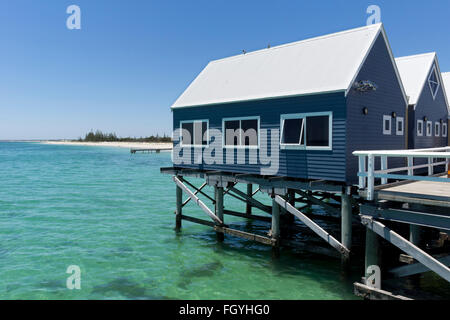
{"points": [[365, 132], [434, 110], [329, 165], [351, 129]]}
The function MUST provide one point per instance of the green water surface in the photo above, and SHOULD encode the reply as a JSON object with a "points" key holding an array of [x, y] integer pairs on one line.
{"points": [[111, 213]]}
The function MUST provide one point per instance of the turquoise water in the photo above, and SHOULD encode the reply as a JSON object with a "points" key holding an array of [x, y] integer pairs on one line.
{"points": [[111, 213]]}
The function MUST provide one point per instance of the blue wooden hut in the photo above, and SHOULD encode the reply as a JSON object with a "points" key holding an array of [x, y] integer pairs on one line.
{"points": [[427, 102], [311, 103]]}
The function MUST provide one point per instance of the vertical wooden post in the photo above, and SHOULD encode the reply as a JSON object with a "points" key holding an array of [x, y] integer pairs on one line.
{"points": [[414, 234], [179, 201], [291, 196], [346, 218], [248, 208], [275, 231], [372, 257], [218, 191]]}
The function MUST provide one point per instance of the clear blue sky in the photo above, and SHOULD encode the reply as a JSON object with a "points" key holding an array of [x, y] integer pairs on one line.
{"points": [[131, 59]]}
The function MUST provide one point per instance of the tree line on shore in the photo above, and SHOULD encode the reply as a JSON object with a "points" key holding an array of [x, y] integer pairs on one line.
{"points": [[99, 136]]}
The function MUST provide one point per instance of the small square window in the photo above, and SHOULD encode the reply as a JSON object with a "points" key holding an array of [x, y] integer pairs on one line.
{"points": [[437, 129], [400, 127], [433, 82], [194, 133], [444, 129], [387, 124], [419, 128], [429, 128]]}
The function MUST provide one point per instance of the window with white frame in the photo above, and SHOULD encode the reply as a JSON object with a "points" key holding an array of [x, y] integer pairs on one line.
{"points": [[433, 82], [429, 128], [241, 132], [419, 128], [400, 127], [437, 129], [194, 133], [387, 124], [306, 130], [444, 129]]}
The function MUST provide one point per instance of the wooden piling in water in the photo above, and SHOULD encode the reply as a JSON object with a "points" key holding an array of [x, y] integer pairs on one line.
{"points": [[346, 219], [248, 207], [179, 205], [218, 191], [275, 230], [372, 256], [414, 234]]}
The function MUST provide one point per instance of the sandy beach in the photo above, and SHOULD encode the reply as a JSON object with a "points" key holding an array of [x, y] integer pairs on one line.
{"points": [[129, 145]]}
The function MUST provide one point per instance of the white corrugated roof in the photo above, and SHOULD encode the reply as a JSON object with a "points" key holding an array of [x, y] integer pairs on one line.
{"points": [[323, 64], [414, 71], [446, 80]]}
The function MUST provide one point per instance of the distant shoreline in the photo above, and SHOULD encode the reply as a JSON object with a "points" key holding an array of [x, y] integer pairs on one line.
{"points": [[118, 144]]}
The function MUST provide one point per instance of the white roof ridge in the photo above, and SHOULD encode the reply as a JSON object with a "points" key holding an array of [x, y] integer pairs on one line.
{"points": [[372, 26], [414, 56]]}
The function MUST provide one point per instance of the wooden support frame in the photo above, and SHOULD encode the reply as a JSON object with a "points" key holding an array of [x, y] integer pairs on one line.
{"points": [[407, 216], [253, 202], [197, 200], [366, 292], [415, 268], [199, 190], [313, 226], [245, 235], [196, 192], [314, 200], [406, 246]]}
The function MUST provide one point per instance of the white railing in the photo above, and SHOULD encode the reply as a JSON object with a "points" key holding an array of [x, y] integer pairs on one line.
{"points": [[367, 176]]}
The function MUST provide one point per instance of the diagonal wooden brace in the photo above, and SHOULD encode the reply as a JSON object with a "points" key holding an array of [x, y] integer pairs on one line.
{"points": [[197, 201], [406, 246], [313, 226]]}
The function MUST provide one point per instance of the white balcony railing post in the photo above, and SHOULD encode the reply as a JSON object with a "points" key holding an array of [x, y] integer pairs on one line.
{"points": [[370, 176], [384, 166], [430, 166], [362, 170], [410, 166]]}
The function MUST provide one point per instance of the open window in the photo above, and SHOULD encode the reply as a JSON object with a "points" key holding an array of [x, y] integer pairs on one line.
{"points": [[419, 128], [429, 128], [437, 129], [241, 132], [400, 126], [194, 133], [387, 124], [444, 130], [306, 131], [433, 82]]}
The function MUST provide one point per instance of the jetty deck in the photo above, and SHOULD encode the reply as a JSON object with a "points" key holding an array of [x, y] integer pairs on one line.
{"points": [[149, 150], [424, 192]]}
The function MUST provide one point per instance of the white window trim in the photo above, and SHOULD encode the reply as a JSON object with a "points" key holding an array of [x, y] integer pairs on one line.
{"points": [[399, 132], [437, 126], [419, 134], [288, 146], [240, 136], [387, 132], [433, 70], [193, 128], [429, 134], [444, 132]]}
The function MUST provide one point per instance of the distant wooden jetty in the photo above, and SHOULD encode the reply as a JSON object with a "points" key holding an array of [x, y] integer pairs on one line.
{"points": [[149, 150]]}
